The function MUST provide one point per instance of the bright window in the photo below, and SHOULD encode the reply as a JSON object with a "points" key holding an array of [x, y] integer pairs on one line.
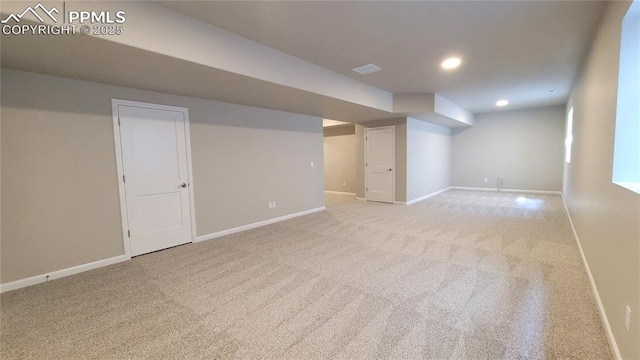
{"points": [[626, 155], [569, 139]]}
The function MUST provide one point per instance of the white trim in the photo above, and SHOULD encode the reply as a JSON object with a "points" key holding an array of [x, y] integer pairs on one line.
{"points": [[594, 289], [362, 199], [393, 157], [257, 224], [633, 186], [427, 196], [339, 193], [18, 284], [120, 169], [506, 190], [192, 200], [473, 188]]}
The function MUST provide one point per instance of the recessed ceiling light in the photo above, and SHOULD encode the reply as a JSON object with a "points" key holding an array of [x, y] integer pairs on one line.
{"points": [[502, 103], [451, 63]]}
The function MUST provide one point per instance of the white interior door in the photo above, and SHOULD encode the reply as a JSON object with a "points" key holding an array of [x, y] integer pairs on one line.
{"points": [[379, 164], [155, 176]]}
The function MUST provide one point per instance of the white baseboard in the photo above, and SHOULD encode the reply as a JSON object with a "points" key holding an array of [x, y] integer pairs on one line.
{"points": [[255, 225], [18, 284], [507, 190], [339, 193], [411, 202], [603, 315]]}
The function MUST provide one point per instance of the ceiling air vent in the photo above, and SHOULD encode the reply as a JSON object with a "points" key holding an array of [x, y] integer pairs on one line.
{"points": [[367, 69]]}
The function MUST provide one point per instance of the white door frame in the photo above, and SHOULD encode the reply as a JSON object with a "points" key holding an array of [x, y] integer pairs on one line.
{"points": [[120, 168], [393, 157]]}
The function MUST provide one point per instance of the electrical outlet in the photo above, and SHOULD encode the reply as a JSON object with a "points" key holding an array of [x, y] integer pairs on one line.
{"points": [[429, 184], [312, 164], [274, 204], [270, 205], [627, 318], [344, 183], [486, 179]]}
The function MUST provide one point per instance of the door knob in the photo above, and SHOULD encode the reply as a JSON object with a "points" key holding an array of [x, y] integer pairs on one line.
{"points": [[184, 185], [390, 169]]}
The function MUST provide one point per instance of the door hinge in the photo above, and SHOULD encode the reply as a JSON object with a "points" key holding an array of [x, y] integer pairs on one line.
{"points": [[366, 189], [366, 137], [129, 233], [124, 179], [366, 164], [118, 121]]}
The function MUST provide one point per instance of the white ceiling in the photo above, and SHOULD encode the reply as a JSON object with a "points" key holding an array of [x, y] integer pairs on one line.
{"points": [[333, 123], [94, 59], [518, 50]]}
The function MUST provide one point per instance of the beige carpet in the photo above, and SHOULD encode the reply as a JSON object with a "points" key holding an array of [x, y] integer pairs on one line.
{"points": [[464, 275]]}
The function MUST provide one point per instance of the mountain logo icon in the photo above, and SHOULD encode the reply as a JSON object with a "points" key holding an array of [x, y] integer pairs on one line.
{"points": [[34, 12]]}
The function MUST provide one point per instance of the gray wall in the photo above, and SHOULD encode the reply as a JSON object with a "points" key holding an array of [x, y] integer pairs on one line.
{"points": [[400, 152], [340, 159], [606, 216], [60, 204], [428, 158], [524, 147]]}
